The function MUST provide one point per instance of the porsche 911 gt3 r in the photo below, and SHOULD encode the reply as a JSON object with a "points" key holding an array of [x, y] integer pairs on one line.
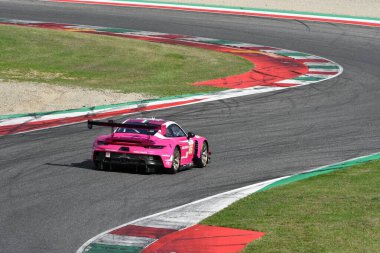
{"points": [[148, 144]]}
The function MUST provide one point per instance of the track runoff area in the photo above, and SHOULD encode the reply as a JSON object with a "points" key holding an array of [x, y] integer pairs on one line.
{"points": [[167, 229]]}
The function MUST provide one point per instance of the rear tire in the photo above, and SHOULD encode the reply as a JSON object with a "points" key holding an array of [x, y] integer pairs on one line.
{"points": [[202, 161], [176, 161], [101, 166], [148, 170], [96, 165]]}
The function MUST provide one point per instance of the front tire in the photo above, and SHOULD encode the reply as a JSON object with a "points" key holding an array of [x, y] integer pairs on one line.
{"points": [[176, 161], [202, 161]]}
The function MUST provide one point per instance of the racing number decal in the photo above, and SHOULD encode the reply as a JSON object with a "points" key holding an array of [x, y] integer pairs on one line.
{"points": [[191, 147], [187, 148]]}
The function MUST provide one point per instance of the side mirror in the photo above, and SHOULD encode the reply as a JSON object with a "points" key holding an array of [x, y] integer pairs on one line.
{"points": [[190, 135]]}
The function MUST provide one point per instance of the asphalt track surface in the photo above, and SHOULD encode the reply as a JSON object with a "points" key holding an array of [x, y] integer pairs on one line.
{"points": [[52, 201]]}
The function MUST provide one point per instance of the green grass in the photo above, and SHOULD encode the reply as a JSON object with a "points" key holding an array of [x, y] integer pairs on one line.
{"points": [[90, 60], [335, 212]]}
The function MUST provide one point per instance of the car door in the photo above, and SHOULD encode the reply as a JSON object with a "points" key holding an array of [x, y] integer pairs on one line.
{"points": [[186, 146]]}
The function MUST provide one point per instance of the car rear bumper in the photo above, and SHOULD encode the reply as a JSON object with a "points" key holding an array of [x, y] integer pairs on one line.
{"points": [[149, 162]]}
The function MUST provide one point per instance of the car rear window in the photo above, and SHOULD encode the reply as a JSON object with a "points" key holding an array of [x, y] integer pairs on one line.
{"points": [[146, 131], [138, 128]]}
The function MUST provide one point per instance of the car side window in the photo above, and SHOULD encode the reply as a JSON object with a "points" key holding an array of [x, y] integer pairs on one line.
{"points": [[169, 132], [175, 131]]}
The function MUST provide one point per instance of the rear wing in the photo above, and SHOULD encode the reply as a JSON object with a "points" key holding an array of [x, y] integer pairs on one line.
{"points": [[111, 123]]}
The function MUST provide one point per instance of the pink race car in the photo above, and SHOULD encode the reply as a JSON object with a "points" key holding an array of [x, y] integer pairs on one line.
{"points": [[148, 144]]}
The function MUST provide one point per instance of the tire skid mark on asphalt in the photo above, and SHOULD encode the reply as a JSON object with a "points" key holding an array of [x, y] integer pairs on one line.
{"points": [[275, 69]]}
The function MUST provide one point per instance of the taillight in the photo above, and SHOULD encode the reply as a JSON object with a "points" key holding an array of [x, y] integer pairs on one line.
{"points": [[155, 147]]}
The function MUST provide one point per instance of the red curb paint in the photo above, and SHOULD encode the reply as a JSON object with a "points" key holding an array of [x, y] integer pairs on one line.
{"points": [[204, 239], [230, 12], [267, 71], [149, 232]]}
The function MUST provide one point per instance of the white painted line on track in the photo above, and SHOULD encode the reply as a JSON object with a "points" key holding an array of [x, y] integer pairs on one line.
{"points": [[323, 70], [322, 64], [323, 76], [292, 81]]}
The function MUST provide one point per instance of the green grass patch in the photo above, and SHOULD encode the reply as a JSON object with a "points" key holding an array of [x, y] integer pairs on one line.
{"points": [[335, 212], [104, 62]]}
